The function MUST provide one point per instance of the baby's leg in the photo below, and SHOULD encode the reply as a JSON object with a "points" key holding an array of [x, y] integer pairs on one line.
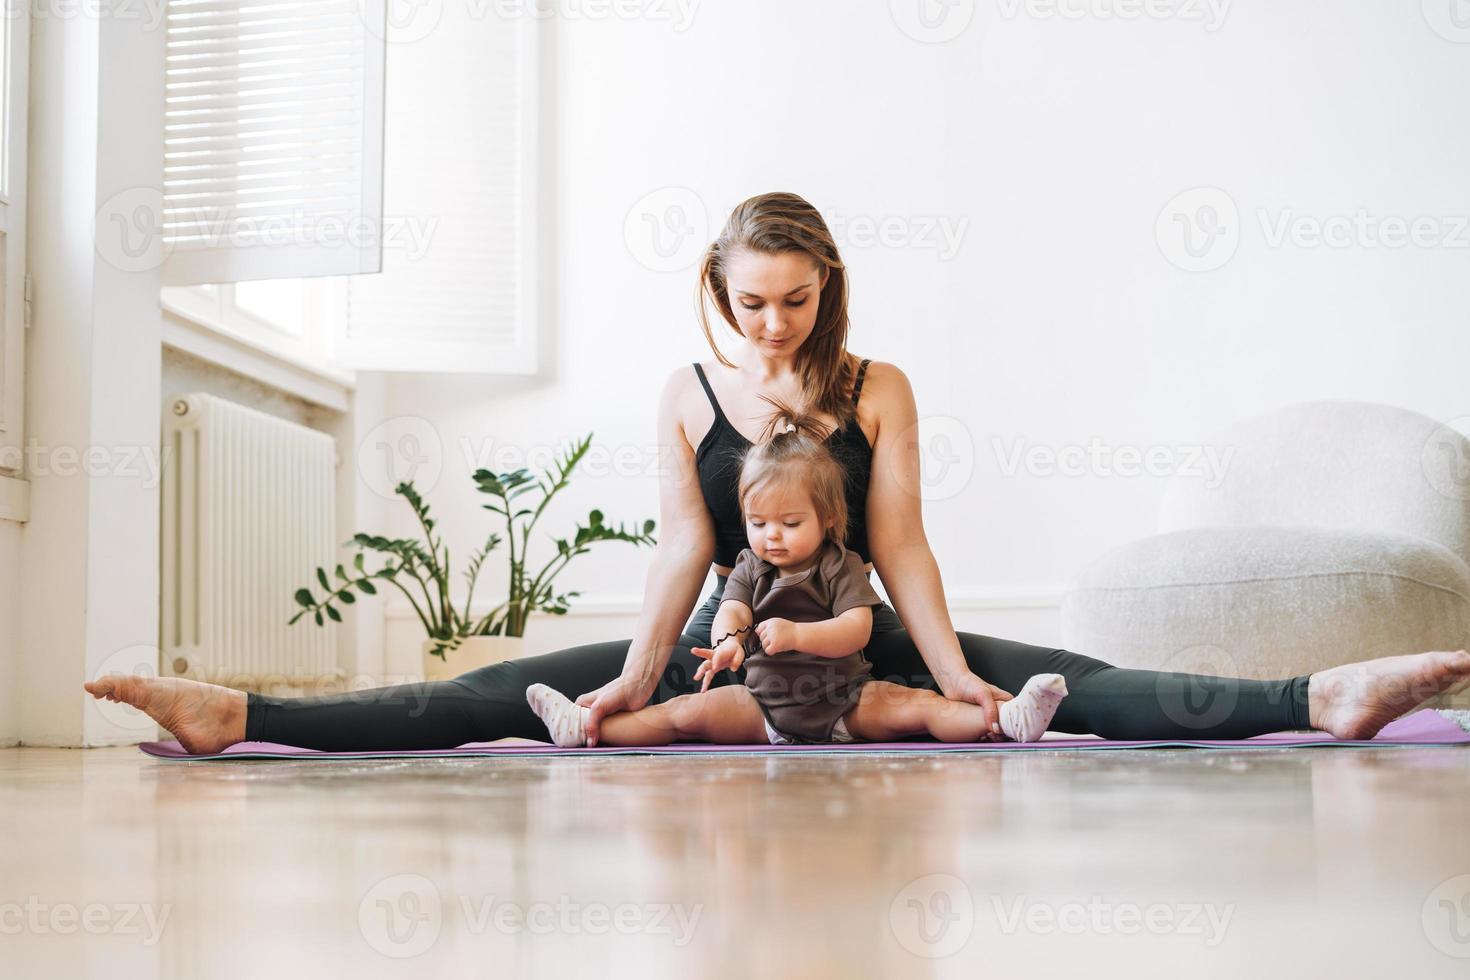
{"points": [[727, 715], [724, 715], [886, 711]]}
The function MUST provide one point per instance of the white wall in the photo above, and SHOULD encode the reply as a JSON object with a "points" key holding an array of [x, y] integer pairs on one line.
{"points": [[10, 532], [1054, 143]]}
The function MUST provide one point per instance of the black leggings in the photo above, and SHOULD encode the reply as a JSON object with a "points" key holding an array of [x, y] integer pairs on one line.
{"points": [[490, 702]]}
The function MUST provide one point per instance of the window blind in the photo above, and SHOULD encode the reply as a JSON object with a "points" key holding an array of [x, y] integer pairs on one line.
{"points": [[273, 128], [457, 290]]}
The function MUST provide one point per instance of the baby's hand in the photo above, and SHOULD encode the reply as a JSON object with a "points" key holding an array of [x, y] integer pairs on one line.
{"points": [[777, 635], [730, 654]]}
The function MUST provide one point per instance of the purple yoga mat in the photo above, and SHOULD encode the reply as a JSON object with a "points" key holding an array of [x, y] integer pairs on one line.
{"points": [[1423, 727]]}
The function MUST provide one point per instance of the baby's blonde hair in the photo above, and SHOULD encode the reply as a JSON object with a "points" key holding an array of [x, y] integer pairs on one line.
{"points": [[792, 454]]}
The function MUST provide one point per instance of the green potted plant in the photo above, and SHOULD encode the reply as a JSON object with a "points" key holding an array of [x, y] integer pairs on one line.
{"points": [[420, 569]]}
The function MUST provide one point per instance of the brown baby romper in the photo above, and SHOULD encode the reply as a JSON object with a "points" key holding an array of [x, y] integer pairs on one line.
{"points": [[801, 694]]}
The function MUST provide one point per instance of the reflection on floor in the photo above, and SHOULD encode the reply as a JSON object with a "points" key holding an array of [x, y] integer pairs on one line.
{"points": [[1165, 862]]}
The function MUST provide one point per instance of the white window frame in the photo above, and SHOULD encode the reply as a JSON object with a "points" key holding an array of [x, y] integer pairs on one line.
{"points": [[14, 288], [215, 307]]}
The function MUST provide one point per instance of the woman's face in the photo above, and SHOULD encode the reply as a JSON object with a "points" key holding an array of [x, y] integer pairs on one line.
{"points": [[782, 527], [775, 299]]}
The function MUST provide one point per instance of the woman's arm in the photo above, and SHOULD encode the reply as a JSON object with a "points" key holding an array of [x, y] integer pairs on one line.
{"points": [[899, 549], [680, 564]]}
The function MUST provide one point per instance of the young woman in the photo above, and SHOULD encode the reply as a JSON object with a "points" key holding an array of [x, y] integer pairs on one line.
{"points": [[776, 279]]}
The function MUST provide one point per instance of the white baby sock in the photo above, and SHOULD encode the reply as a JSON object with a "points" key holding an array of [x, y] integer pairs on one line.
{"points": [[1024, 717], [564, 719]]}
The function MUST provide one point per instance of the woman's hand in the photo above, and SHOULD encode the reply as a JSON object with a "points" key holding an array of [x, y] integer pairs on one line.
{"points": [[614, 696], [969, 687], [729, 655]]}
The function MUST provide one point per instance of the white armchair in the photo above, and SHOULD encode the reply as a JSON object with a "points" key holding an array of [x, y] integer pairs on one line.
{"points": [[1340, 532]]}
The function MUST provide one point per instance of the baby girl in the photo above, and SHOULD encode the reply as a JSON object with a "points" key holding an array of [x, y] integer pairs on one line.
{"points": [[797, 612]]}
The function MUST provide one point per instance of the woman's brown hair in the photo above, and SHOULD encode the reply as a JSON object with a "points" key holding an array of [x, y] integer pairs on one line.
{"points": [[792, 454], [770, 224]]}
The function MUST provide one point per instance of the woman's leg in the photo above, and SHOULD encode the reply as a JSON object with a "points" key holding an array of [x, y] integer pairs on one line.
{"points": [[1351, 701], [1112, 702], [478, 706]]}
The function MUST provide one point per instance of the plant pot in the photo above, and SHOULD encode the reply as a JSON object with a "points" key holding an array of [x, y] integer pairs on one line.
{"points": [[472, 652]]}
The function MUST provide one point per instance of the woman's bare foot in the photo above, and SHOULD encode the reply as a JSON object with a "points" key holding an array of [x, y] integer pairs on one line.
{"points": [[1354, 701], [204, 718]]}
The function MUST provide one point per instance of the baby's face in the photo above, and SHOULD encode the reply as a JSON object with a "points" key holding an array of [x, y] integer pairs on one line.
{"points": [[783, 529]]}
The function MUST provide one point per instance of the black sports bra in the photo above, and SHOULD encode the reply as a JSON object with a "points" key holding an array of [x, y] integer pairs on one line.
{"points": [[719, 470]]}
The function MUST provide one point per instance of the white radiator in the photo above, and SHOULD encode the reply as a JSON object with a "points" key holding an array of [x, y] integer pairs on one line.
{"points": [[248, 515]]}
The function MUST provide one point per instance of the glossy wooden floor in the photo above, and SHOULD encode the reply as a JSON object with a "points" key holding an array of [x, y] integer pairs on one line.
{"points": [[1171, 862]]}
